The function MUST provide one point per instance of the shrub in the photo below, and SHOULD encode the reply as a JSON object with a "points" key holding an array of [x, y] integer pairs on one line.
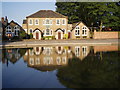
{"points": [[77, 36], [65, 36], [22, 34], [31, 36]]}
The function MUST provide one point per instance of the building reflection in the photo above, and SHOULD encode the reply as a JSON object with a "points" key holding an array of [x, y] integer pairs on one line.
{"points": [[50, 58], [12, 55]]}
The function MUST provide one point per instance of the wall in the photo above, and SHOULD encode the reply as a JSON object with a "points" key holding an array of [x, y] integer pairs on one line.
{"points": [[105, 35]]}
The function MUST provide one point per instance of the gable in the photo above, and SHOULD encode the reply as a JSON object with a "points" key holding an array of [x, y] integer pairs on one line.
{"points": [[80, 24]]}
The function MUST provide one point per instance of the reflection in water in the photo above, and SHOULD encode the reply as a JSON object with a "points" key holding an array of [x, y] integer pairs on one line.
{"points": [[77, 66], [49, 58]]}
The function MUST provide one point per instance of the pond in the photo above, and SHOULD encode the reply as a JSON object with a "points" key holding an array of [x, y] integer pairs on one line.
{"points": [[61, 67]]}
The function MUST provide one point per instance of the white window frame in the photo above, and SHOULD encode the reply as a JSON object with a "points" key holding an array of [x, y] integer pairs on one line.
{"points": [[16, 28], [30, 23], [64, 21], [31, 61], [84, 28], [37, 61], [76, 29], [37, 21], [45, 22], [50, 34], [77, 53], [8, 29], [57, 20], [84, 53]]}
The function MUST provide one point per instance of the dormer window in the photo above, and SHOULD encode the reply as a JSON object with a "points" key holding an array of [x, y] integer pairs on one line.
{"points": [[77, 31], [84, 31]]}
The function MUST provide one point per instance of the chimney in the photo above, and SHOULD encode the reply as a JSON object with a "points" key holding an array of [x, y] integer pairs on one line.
{"points": [[2, 19], [6, 20]]}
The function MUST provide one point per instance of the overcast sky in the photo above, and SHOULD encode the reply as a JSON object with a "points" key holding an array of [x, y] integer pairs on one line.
{"points": [[18, 11]]}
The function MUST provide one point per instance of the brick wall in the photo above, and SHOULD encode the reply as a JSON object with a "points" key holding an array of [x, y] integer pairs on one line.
{"points": [[105, 35], [105, 48]]}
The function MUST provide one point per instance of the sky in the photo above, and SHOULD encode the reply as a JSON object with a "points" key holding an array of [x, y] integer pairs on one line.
{"points": [[18, 11]]}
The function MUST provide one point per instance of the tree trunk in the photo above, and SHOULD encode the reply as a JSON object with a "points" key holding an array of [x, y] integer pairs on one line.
{"points": [[101, 26]]}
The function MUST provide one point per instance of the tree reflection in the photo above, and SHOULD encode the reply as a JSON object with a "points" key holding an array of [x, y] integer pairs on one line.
{"points": [[92, 72]]}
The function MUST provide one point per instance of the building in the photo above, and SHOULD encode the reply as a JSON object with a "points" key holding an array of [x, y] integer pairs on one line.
{"points": [[47, 23], [11, 29]]}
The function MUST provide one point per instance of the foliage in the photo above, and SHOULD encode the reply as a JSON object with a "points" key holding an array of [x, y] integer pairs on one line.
{"points": [[48, 37], [92, 72], [92, 13], [31, 35], [66, 36], [22, 34]]}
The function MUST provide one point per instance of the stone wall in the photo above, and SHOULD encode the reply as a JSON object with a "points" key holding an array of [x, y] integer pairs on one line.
{"points": [[105, 35]]}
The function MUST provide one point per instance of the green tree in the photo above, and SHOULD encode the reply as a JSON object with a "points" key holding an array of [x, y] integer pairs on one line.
{"points": [[91, 13]]}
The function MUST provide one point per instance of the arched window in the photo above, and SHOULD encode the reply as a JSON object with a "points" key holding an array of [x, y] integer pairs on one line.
{"points": [[49, 32], [77, 31], [63, 22], [36, 22], [8, 29], [84, 31], [47, 22], [30, 22], [16, 30], [31, 31]]}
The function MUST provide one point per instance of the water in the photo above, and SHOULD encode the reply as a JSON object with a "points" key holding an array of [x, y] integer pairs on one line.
{"points": [[61, 67]]}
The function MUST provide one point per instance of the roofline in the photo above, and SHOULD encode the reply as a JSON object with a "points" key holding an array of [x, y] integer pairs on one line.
{"points": [[48, 10]]}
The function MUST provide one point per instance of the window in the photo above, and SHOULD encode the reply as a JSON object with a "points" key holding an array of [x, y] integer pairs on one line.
{"points": [[77, 51], [16, 30], [31, 61], [63, 22], [47, 22], [48, 32], [8, 29], [84, 31], [84, 50], [36, 22], [30, 31], [30, 22], [58, 22], [77, 31], [37, 61]]}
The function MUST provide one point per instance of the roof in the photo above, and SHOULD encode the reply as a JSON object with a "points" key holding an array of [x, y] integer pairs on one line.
{"points": [[75, 24], [46, 14], [38, 30], [13, 24], [59, 29]]}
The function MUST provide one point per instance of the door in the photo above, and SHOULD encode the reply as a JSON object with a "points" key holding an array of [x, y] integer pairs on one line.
{"points": [[69, 35], [59, 35], [37, 35]]}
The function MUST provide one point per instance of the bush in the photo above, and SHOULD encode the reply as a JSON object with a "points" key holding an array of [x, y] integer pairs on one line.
{"points": [[31, 36], [48, 37], [65, 36], [22, 34], [77, 36]]}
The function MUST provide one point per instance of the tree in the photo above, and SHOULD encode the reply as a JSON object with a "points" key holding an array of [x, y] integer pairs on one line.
{"points": [[92, 13]]}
